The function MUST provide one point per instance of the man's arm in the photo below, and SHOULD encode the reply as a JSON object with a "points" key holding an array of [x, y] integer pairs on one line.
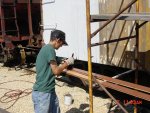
{"points": [[58, 69]]}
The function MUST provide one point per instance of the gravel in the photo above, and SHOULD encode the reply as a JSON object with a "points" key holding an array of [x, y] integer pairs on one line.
{"points": [[16, 87]]}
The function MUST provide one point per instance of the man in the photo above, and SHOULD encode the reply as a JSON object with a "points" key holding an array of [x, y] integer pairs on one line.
{"points": [[44, 97]]}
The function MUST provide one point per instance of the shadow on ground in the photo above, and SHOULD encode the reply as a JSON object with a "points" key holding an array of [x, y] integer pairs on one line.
{"points": [[84, 108], [3, 111]]}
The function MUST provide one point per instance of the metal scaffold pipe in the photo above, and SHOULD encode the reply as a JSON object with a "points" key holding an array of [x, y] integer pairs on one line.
{"points": [[30, 18], [136, 51], [115, 16], [90, 78]]}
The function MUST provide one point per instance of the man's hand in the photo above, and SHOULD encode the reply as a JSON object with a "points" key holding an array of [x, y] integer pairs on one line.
{"points": [[70, 61]]}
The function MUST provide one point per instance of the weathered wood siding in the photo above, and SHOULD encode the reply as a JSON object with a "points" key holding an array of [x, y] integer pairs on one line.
{"points": [[122, 53]]}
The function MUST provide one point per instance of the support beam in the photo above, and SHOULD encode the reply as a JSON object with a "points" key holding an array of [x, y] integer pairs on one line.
{"points": [[136, 90], [90, 78]]}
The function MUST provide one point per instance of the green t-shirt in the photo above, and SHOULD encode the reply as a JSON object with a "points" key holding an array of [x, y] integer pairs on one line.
{"points": [[45, 79]]}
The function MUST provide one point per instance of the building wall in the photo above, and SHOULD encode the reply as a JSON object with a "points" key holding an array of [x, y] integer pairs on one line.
{"points": [[112, 53], [144, 32], [122, 53], [145, 35], [70, 16]]}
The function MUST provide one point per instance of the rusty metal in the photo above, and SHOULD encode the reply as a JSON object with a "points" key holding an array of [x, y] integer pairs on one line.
{"points": [[2, 20], [8, 31], [125, 84], [136, 90], [130, 4], [21, 1], [3, 30], [90, 77], [128, 91], [30, 20], [116, 81], [11, 37], [109, 94], [140, 25], [111, 41], [89, 35], [2, 27], [15, 16]]}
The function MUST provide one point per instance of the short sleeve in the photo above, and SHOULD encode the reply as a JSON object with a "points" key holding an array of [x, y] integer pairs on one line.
{"points": [[51, 55]]}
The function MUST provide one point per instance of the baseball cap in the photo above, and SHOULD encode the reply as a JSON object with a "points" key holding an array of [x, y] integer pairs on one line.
{"points": [[59, 35]]}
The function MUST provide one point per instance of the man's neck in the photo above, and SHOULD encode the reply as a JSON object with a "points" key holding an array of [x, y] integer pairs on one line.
{"points": [[52, 44]]}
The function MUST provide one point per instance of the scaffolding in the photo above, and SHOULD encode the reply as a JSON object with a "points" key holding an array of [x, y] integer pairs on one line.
{"points": [[118, 85], [14, 30], [4, 29], [6, 6]]}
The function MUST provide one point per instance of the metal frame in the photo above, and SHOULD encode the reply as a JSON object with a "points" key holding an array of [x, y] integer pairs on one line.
{"points": [[30, 18], [90, 19], [136, 90], [3, 29], [115, 84], [13, 4]]}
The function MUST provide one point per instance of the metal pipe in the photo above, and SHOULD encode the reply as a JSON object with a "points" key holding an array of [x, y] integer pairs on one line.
{"points": [[115, 84], [131, 31], [142, 24], [106, 91], [15, 15], [80, 74], [90, 78], [116, 81], [30, 18], [115, 16], [41, 27], [48, 2], [113, 40], [124, 73], [2, 20], [136, 51]]}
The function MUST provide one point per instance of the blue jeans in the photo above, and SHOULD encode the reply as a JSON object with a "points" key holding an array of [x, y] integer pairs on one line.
{"points": [[45, 102]]}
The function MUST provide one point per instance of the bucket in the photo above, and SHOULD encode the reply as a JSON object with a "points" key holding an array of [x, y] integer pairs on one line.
{"points": [[68, 99]]}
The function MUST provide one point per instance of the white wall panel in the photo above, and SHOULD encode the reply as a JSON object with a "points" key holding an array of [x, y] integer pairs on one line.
{"points": [[70, 16]]}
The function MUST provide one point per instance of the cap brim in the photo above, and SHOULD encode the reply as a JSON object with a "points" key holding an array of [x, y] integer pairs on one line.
{"points": [[65, 43]]}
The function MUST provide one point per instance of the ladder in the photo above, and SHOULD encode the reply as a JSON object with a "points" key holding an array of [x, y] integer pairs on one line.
{"points": [[4, 39], [4, 31]]}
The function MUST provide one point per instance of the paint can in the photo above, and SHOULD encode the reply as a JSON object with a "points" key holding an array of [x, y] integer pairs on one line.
{"points": [[68, 99]]}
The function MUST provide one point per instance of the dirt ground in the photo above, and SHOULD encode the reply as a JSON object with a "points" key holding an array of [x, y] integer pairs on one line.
{"points": [[16, 87]]}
